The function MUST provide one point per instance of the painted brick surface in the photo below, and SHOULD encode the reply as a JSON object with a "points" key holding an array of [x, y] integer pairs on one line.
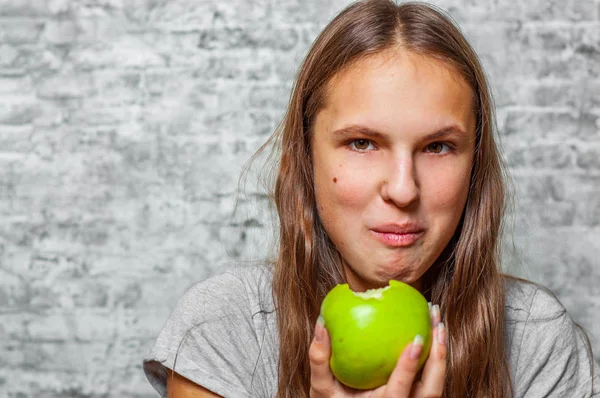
{"points": [[124, 125]]}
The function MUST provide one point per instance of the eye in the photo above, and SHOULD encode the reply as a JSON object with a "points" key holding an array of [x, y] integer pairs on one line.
{"points": [[361, 145], [438, 147]]}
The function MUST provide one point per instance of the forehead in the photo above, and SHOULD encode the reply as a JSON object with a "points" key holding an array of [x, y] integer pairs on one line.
{"points": [[395, 88]]}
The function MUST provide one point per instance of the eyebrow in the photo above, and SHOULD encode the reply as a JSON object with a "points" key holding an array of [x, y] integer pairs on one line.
{"points": [[452, 129]]}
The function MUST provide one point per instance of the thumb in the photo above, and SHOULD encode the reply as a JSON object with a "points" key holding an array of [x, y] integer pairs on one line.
{"points": [[322, 381]]}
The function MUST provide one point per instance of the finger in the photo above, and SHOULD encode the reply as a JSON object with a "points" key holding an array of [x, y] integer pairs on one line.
{"points": [[403, 376], [435, 315], [434, 373], [322, 381]]}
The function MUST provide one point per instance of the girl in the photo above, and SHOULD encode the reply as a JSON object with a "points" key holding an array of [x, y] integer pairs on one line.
{"points": [[388, 169]]}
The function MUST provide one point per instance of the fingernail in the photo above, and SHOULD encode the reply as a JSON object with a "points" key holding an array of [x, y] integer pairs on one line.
{"points": [[319, 329], [435, 312], [417, 346], [442, 338], [429, 305]]}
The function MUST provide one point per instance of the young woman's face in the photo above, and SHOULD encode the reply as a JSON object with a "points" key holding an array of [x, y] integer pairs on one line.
{"points": [[392, 152]]}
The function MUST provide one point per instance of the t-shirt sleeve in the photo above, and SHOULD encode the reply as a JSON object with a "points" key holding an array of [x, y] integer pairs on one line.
{"points": [[554, 358], [209, 339]]}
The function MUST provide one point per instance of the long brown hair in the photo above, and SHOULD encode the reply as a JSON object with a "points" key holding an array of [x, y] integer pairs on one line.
{"points": [[465, 280]]}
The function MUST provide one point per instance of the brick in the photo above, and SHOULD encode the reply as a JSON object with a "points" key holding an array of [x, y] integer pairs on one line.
{"points": [[159, 82], [28, 382], [16, 138], [128, 295], [38, 59], [553, 214], [81, 324], [557, 124], [137, 11], [550, 156], [81, 293], [515, 49], [268, 97], [591, 211], [560, 95], [59, 32], [127, 52], [553, 66], [97, 26], [45, 143], [14, 258], [533, 188], [572, 94], [298, 12], [516, 157], [558, 189], [591, 94], [551, 39], [12, 354], [19, 111], [588, 205], [62, 356], [586, 38], [589, 158], [93, 114], [97, 325], [8, 54], [65, 85], [240, 66], [135, 377], [582, 184], [14, 85], [557, 10], [49, 114], [539, 11], [221, 68], [589, 57], [206, 181], [276, 38], [13, 291], [13, 325], [21, 31], [190, 15], [58, 7], [261, 124], [51, 328], [20, 8], [581, 188], [176, 46], [247, 243]]}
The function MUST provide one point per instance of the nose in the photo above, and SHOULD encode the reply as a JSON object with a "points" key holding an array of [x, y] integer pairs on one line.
{"points": [[400, 185]]}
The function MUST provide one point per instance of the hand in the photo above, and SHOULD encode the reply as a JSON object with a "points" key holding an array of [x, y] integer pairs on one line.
{"points": [[401, 384]]}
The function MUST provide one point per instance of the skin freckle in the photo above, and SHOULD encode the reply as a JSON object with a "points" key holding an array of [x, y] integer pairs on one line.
{"points": [[334, 179]]}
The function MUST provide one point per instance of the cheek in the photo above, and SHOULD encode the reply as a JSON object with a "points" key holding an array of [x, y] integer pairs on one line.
{"points": [[340, 191], [451, 192], [348, 188]]}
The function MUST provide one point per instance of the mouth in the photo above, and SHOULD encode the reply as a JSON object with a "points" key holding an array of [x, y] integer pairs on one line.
{"points": [[396, 235]]}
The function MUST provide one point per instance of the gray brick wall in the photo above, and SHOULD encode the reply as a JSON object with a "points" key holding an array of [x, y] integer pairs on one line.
{"points": [[124, 125]]}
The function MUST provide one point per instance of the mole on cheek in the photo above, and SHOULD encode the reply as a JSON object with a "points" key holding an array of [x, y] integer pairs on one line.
{"points": [[334, 179]]}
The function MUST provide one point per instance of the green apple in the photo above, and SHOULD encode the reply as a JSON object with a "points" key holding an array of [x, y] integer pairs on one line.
{"points": [[370, 330]]}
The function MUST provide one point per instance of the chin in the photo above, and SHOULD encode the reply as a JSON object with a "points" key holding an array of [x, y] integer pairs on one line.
{"points": [[406, 275]]}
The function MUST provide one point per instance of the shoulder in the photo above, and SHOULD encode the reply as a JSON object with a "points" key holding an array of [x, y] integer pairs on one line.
{"points": [[533, 311], [221, 335], [233, 290], [527, 301], [549, 354]]}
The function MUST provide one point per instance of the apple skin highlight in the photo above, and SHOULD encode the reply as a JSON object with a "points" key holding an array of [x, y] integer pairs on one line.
{"points": [[370, 330]]}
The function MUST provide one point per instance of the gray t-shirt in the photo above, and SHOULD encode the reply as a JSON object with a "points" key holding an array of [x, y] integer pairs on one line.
{"points": [[223, 335]]}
